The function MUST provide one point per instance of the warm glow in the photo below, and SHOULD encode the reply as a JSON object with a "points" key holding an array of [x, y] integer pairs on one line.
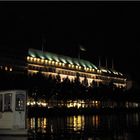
{"points": [[10, 69], [31, 58], [53, 62], [34, 59], [77, 103], [32, 123], [76, 67], [42, 60], [6, 68], [56, 63], [60, 64], [38, 59], [46, 61], [49, 61], [72, 66], [28, 57], [96, 121], [78, 123]]}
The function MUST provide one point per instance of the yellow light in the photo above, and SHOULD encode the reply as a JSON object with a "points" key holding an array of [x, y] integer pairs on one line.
{"points": [[42, 60], [44, 104], [72, 66], [49, 61], [69, 65], [52, 62], [28, 103], [46, 61], [31, 58], [63, 64], [76, 67], [56, 63], [28, 57], [59, 63], [34, 59], [6, 68], [38, 59], [10, 69]]}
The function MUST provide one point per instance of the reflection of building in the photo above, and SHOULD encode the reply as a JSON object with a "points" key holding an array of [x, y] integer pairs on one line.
{"points": [[49, 63]]}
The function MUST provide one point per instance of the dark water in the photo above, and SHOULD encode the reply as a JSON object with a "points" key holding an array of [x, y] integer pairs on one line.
{"points": [[120, 126]]}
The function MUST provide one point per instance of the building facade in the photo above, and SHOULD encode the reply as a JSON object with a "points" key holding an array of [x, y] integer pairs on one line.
{"points": [[53, 64]]}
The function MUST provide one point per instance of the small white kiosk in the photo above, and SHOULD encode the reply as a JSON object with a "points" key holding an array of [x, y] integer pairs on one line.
{"points": [[13, 112]]}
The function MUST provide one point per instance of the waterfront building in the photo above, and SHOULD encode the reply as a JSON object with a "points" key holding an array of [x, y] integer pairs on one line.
{"points": [[53, 64]]}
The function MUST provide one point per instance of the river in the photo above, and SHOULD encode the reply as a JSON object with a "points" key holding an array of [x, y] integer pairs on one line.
{"points": [[119, 126]]}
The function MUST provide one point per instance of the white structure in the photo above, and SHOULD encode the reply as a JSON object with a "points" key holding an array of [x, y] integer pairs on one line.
{"points": [[13, 112]]}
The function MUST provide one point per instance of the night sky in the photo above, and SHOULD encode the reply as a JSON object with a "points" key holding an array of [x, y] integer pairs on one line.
{"points": [[105, 29]]}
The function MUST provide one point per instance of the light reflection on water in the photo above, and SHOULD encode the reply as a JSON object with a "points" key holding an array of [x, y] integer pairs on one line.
{"points": [[94, 127]]}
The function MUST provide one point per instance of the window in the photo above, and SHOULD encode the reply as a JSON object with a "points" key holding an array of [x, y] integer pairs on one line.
{"points": [[1, 102], [8, 102], [20, 102]]}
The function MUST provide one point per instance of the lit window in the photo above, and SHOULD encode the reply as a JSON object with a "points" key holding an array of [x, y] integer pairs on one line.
{"points": [[59, 64], [31, 58], [42, 60], [20, 102], [49, 61], [76, 67], [10, 69], [6, 68], [53, 62], [56, 63], [38, 59], [8, 102], [28, 57], [1, 102], [46, 61], [34, 59]]}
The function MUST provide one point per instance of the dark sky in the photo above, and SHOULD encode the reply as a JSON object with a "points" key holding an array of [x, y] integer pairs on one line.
{"points": [[106, 29]]}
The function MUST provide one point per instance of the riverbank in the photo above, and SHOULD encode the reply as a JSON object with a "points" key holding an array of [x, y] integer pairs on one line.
{"points": [[74, 111]]}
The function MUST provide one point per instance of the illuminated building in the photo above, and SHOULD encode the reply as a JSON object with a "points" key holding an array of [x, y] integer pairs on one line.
{"points": [[53, 64]]}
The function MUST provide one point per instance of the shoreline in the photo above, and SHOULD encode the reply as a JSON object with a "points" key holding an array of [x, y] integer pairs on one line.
{"points": [[74, 111]]}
